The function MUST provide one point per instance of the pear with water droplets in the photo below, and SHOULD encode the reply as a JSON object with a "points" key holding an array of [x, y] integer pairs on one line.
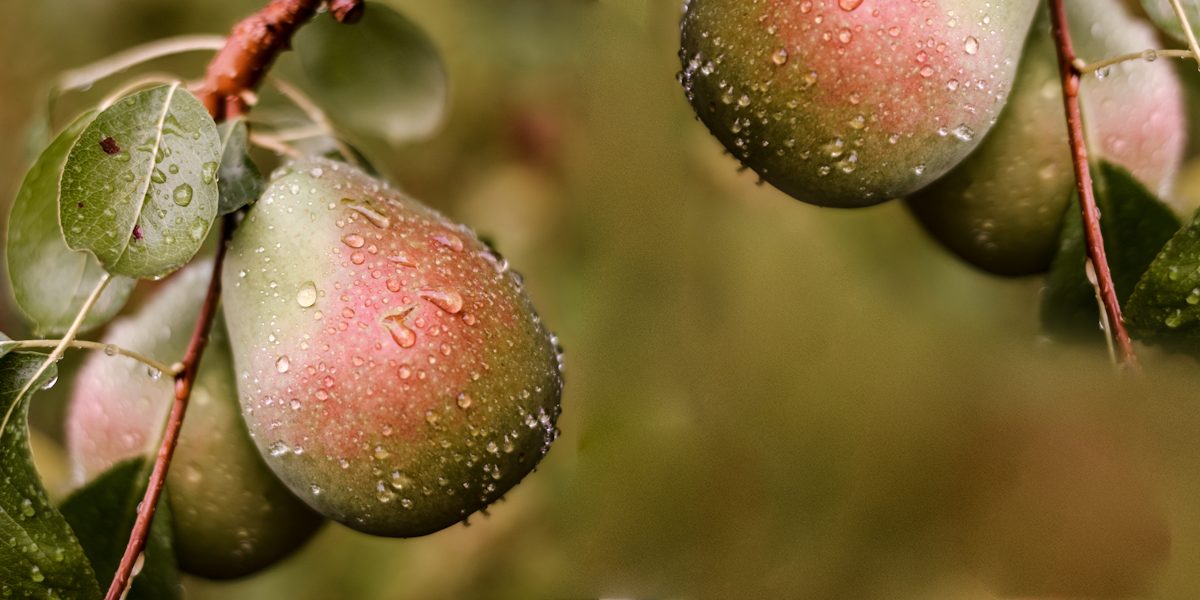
{"points": [[390, 366], [1002, 208], [848, 103], [232, 516]]}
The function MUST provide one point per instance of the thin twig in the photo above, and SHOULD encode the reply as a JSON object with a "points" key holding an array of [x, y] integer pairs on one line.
{"points": [[1187, 28], [84, 77], [1083, 180], [298, 133], [62, 344], [1085, 68], [184, 379], [252, 47], [142, 358], [315, 113], [131, 86], [273, 143]]}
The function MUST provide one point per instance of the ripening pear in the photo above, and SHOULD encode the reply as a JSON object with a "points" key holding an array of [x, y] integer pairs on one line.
{"points": [[390, 366], [849, 103], [1002, 208], [232, 516]]}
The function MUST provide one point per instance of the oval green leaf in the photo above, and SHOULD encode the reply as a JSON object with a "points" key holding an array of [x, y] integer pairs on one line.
{"points": [[379, 79], [239, 179], [51, 281], [139, 189], [41, 558]]}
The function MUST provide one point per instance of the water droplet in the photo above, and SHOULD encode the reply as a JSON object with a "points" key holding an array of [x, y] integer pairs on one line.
{"points": [[282, 364], [926, 71], [358, 257], [1102, 72], [208, 172], [167, 238], [430, 417], [449, 301], [153, 373], [920, 169], [348, 313], [354, 240], [964, 133], [157, 176], [296, 404], [316, 490], [173, 169], [744, 101], [375, 218], [112, 350], [845, 35], [971, 45], [37, 575], [1174, 320], [464, 401], [451, 241], [1149, 55], [381, 453], [183, 195], [307, 295], [952, 85], [128, 176], [849, 5], [779, 57], [278, 449], [122, 157], [401, 334]]}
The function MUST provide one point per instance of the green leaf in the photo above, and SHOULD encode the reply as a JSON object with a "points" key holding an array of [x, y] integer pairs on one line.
{"points": [[1135, 225], [103, 514], [140, 189], [239, 179], [1165, 307], [379, 79], [51, 281], [1163, 15], [40, 557]]}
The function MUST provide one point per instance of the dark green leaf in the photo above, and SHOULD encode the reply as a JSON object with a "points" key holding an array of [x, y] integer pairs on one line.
{"points": [[140, 188], [40, 557], [1163, 15], [103, 514], [1135, 225], [240, 181], [1165, 307], [51, 281], [380, 79]]}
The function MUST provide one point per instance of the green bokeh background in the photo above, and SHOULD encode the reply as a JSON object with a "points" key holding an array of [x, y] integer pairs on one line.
{"points": [[764, 399]]}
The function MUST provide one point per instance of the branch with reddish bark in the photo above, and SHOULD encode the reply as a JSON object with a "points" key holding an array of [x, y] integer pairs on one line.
{"points": [[236, 71], [1083, 180], [231, 79]]}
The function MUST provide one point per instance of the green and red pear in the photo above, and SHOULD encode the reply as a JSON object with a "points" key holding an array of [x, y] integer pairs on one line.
{"points": [[848, 103], [1002, 208], [391, 368], [232, 516]]}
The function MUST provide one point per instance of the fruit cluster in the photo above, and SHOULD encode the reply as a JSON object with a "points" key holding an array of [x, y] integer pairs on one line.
{"points": [[955, 105], [376, 365]]}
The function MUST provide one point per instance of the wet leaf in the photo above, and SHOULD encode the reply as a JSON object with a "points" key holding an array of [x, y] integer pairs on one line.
{"points": [[40, 556], [380, 79], [1165, 307], [1135, 225], [140, 186], [103, 514], [240, 181], [51, 281]]}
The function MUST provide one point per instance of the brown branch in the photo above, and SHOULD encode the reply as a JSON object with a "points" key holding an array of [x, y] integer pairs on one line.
{"points": [[183, 391], [253, 45], [1083, 181]]}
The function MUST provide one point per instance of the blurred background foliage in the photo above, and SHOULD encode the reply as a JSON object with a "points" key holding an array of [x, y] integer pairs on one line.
{"points": [[764, 399]]}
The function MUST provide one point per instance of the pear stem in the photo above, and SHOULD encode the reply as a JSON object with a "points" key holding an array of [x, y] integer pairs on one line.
{"points": [[1083, 180]]}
